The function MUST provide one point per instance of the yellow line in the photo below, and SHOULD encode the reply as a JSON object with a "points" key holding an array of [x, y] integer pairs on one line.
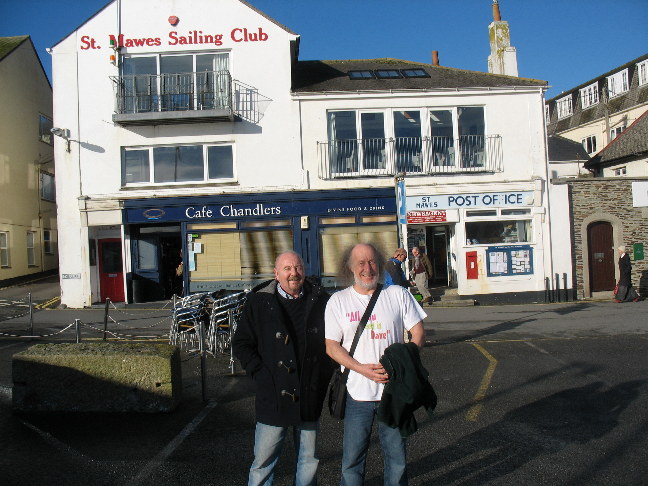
{"points": [[475, 410], [50, 302]]}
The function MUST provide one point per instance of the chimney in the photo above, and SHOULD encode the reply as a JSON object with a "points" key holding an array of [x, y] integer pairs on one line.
{"points": [[435, 58], [503, 57]]}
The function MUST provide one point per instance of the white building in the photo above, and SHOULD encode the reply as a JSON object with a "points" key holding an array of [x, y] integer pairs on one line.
{"points": [[194, 127]]}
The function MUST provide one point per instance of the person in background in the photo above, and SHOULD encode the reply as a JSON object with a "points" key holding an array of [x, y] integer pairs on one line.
{"points": [[280, 343], [394, 274], [625, 292], [420, 272], [395, 311]]}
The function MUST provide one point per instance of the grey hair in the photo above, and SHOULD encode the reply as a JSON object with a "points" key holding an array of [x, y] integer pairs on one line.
{"points": [[346, 273], [622, 248]]}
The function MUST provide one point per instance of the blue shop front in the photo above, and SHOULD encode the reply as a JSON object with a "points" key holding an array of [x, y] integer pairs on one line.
{"points": [[185, 245]]}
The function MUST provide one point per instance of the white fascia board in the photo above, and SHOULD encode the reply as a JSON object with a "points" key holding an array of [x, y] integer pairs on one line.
{"points": [[316, 95]]}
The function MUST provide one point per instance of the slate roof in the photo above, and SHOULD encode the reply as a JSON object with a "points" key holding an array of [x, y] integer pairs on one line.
{"points": [[562, 149], [632, 142], [8, 44], [317, 76]]}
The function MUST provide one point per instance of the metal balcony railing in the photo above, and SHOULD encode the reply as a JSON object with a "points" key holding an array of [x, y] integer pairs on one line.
{"points": [[209, 93], [413, 155]]}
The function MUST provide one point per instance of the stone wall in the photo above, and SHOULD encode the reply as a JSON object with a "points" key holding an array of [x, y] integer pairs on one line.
{"points": [[607, 199]]}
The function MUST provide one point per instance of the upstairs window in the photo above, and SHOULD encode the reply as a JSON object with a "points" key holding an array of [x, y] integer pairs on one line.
{"points": [[415, 73], [4, 249], [547, 117], [45, 130], [642, 70], [48, 244], [620, 171], [178, 164], [361, 74], [564, 107], [388, 73], [31, 252], [589, 96], [589, 144], [47, 187], [618, 83], [615, 132]]}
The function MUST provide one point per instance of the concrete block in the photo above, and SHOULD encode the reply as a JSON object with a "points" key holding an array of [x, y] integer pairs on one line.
{"points": [[97, 377]]}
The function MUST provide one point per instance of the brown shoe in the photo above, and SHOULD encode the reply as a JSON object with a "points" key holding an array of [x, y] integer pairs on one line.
{"points": [[636, 299], [618, 301]]}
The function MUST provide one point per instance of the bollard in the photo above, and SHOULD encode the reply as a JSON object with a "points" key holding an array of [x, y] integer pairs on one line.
{"points": [[565, 287], [31, 315], [77, 327], [547, 291], [557, 288], [203, 359], [106, 318]]}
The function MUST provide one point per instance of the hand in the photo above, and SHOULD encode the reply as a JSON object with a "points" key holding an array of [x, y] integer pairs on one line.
{"points": [[374, 371]]}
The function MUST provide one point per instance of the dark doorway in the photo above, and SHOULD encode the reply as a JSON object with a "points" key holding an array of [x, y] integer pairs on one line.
{"points": [[437, 238], [600, 256], [111, 270]]}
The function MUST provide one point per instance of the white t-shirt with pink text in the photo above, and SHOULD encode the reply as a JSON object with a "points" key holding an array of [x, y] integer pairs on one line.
{"points": [[395, 310]]}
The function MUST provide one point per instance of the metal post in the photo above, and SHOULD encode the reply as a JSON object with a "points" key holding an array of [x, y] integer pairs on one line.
{"points": [[557, 288], [230, 318], [203, 359], [547, 291], [106, 317], [31, 315], [77, 327], [565, 287]]}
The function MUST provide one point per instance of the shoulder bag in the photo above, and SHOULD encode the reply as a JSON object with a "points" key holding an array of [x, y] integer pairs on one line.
{"points": [[337, 388]]}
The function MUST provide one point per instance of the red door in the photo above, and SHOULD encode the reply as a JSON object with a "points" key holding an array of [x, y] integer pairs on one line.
{"points": [[111, 273], [601, 256]]}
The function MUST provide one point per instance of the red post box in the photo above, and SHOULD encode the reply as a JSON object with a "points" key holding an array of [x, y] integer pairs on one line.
{"points": [[472, 271]]}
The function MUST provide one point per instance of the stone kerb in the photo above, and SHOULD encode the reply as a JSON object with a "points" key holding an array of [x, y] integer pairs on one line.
{"points": [[97, 377]]}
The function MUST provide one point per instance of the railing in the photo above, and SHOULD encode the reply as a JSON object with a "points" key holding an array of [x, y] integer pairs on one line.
{"points": [[412, 155], [188, 92]]}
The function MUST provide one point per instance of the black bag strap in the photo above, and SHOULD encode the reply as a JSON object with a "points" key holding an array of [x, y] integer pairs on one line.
{"points": [[363, 323]]}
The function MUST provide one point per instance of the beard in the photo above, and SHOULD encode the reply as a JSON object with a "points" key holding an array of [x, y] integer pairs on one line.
{"points": [[366, 285]]}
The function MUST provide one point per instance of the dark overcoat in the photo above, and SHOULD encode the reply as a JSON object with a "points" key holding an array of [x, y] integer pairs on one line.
{"points": [[625, 271], [262, 343]]}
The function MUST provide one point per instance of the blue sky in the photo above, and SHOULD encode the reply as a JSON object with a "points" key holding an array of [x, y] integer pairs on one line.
{"points": [[565, 42]]}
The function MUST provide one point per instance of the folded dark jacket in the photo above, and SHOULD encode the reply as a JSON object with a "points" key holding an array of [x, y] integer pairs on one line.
{"points": [[407, 390]]}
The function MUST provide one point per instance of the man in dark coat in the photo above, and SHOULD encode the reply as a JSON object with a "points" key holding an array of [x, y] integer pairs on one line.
{"points": [[625, 292], [280, 343]]}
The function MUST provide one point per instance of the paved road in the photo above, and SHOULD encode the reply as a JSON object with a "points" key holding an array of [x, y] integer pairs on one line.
{"points": [[538, 394]]}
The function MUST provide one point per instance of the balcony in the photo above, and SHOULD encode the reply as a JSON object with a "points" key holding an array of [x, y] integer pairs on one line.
{"points": [[371, 157], [167, 99]]}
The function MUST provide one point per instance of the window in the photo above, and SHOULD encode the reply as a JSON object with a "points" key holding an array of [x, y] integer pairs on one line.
{"points": [[497, 232], [618, 83], [615, 132], [47, 187], [31, 254], [415, 73], [175, 82], [4, 249], [388, 73], [547, 117], [564, 107], [44, 129], [589, 144], [589, 95], [175, 164], [407, 132], [356, 141], [361, 75], [48, 245], [642, 70], [620, 171], [458, 136]]}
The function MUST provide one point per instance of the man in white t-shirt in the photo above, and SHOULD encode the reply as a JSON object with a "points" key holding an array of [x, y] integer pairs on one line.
{"points": [[395, 310]]}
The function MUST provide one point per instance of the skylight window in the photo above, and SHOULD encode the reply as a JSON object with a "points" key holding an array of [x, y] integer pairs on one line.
{"points": [[361, 74], [388, 73], [415, 73]]}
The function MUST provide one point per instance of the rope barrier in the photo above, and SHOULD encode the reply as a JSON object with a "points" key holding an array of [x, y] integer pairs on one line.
{"points": [[37, 335]]}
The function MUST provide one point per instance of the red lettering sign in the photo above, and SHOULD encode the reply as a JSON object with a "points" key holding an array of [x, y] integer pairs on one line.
{"points": [[418, 217]]}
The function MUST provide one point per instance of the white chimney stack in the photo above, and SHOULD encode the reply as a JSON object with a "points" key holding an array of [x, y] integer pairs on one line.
{"points": [[503, 58]]}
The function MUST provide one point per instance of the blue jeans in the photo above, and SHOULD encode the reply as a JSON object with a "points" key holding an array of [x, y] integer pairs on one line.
{"points": [[358, 420], [268, 442]]}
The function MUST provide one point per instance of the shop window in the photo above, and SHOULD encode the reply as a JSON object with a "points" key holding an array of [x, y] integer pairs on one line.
{"points": [[237, 255], [338, 220], [481, 212], [335, 240], [4, 248], [178, 164], [618, 83], [496, 232], [31, 250], [48, 244], [45, 130]]}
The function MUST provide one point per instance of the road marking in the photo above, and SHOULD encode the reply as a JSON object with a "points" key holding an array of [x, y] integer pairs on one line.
{"points": [[171, 446], [51, 302], [475, 410]]}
